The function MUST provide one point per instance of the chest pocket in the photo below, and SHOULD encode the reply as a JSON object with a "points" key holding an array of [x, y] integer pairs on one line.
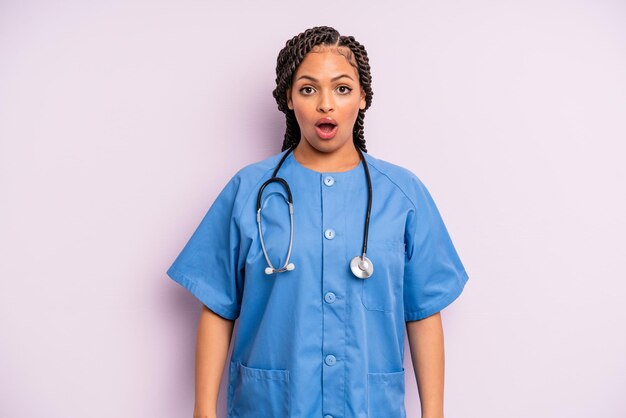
{"points": [[257, 392], [383, 290]]}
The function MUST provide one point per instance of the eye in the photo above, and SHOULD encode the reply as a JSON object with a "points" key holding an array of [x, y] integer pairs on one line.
{"points": [[345, 90], [307, 91]]}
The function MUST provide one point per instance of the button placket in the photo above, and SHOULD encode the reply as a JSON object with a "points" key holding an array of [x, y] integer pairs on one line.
{"points": [[333, 308]]}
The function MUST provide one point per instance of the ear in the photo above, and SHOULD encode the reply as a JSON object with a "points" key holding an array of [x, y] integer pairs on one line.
{"points": [[289, 102], [362, 103]]}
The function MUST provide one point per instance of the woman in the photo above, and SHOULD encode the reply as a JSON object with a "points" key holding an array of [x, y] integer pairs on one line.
{"points": [[322, 302]]}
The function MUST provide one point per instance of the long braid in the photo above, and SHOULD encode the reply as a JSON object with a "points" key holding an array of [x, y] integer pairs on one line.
{"points": [[366, 83], [290, 57], [292, 133], [358, 135]]}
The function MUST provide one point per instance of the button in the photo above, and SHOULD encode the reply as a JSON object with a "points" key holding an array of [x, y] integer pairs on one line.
{"points": [[329, 180], [329, 297], [329, 233], [328, 416], [330, 360]]}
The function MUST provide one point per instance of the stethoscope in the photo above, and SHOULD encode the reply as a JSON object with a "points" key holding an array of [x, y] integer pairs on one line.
{"points": [[361, 266]]}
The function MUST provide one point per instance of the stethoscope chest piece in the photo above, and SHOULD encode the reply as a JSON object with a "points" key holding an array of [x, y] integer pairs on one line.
{"points": [[362, 267]]}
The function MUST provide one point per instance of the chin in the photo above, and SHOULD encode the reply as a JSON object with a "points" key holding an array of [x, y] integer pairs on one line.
{"points": [[327, 145]]}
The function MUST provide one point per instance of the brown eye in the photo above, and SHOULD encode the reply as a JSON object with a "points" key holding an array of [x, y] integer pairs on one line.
{"points": [[345, 90], [306, 90]]}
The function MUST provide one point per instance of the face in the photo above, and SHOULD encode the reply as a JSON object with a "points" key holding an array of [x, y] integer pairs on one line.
{"points": [[326, 85]]}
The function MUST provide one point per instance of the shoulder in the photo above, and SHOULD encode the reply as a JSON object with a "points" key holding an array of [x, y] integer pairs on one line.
{"points": [[246, 181], [400, 177], [255, 172]]}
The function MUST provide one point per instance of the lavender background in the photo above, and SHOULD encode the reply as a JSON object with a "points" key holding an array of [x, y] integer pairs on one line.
{"points": [[121, 121]]}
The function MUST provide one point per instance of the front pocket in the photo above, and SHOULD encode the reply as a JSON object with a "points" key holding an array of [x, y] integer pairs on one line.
{"points": [[385, 395], [259, 392], [381, 291]]}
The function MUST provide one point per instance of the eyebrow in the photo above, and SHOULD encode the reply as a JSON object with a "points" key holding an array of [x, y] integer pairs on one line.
{"points": [[333, 79]]}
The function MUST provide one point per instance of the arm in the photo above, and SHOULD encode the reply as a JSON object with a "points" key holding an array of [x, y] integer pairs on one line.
{"points": [[427, 353], [213, 341]]}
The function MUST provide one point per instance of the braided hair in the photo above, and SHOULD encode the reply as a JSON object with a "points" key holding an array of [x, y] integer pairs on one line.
{"points": [[290, 57]]}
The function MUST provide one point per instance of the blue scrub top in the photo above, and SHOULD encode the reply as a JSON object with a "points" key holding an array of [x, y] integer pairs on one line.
{"points": [[317, 341]]}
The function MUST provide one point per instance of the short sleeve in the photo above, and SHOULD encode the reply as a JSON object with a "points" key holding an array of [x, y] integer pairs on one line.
{"points": [[209, 265], [433, 275]]}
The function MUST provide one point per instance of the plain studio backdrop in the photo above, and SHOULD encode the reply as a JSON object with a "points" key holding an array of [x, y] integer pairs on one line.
{"points": [[121, 121]]}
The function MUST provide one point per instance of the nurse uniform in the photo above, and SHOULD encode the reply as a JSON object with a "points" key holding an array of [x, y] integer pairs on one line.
{"points": [[318, 341]]}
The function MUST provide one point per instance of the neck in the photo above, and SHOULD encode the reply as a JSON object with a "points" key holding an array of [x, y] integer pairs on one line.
{"points": [[341, 159]]}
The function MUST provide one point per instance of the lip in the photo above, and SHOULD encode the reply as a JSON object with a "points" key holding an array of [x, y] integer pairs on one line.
{"points": [[326, 120], [323, 134], [326, 135]]}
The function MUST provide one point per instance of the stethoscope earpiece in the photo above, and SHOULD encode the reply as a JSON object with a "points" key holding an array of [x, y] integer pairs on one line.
{"points": [[361, 266], [271, 270]]}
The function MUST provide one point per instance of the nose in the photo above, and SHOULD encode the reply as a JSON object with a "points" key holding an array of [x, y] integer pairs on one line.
{"points": [[326, 103]]}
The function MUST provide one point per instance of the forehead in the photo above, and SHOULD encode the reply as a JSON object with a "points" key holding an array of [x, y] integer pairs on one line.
{"points": [[327, 61]]}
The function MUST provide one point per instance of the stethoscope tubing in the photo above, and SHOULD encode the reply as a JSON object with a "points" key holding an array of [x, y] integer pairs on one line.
{"points": [[361, 266], [369, 202]]}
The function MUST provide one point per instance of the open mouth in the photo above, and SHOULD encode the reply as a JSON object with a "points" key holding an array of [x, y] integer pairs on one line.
{"points": [[326, 128]]}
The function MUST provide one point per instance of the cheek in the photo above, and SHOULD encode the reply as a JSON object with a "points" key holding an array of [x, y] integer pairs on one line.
{"points": [[352, 101], [302, 110], [300, 115], [351, 107]]}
